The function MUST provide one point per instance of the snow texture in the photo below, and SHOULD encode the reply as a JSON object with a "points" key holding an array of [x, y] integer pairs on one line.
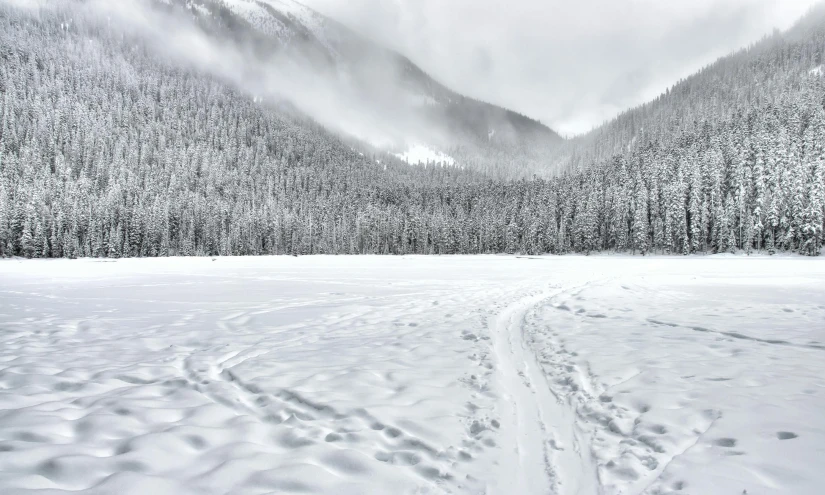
{"points": [[344, 375]]}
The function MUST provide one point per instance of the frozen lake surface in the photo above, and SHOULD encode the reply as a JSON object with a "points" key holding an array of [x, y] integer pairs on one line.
{"points": [[413, 375]]}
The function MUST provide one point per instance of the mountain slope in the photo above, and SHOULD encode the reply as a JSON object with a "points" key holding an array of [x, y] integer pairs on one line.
{"points": [[775, 68], [420, 109]]}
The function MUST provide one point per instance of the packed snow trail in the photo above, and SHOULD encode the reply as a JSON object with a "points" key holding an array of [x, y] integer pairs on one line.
{"points": [[412, 375], [549, 455]]}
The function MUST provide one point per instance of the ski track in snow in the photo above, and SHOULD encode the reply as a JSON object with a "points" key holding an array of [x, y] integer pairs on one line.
{"points": [[543, 422], [494, 375]]}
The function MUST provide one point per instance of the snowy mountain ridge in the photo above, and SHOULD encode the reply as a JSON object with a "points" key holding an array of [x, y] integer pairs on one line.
{"points": [[383, 82], [280, 18]]}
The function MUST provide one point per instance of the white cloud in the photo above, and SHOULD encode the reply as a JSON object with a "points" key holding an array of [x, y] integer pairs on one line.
{"points": [[275, 77]]}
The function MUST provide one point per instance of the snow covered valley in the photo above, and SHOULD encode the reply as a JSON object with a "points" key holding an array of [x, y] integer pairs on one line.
{"points": [[413, 375]]}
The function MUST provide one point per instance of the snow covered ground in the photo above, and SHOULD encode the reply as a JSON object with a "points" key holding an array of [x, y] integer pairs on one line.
{"points": [[388, 375], [419, 154]]}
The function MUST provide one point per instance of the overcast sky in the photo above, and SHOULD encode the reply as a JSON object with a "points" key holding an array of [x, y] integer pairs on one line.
{"points": [[572, 63]]}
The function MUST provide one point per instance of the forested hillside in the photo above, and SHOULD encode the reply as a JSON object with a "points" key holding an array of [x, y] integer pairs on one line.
{"points": [[771, 72], [108, 150]]}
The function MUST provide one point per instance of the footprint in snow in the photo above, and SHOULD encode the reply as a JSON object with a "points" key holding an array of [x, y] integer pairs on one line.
{"points": [[725, 442]]}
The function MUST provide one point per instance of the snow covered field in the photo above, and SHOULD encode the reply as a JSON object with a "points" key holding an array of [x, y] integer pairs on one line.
{"points": [[413, 375]]}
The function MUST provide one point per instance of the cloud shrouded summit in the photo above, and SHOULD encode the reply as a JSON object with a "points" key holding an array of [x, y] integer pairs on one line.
{"points": [[571, 64]]}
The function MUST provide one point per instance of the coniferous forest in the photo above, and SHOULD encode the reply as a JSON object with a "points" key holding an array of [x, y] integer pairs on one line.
{"points": [[107, 150]]}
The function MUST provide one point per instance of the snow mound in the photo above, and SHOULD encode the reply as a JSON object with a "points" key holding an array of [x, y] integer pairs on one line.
{"points": [[422, 155]]}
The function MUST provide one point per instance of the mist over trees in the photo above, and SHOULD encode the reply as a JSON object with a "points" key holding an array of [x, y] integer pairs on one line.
{"points": [[107, 150]]}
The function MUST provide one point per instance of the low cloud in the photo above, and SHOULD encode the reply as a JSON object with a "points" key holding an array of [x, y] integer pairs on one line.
{"points": [[276, 76], [571, 64]]}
